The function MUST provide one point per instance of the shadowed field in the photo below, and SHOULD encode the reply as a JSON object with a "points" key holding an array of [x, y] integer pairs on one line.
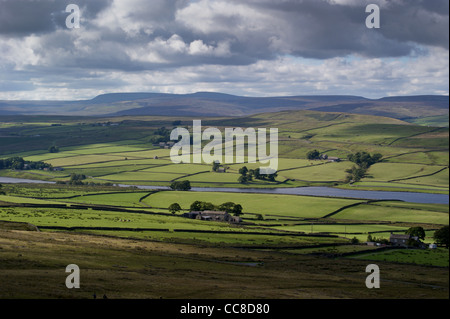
{"points": [[33, 266]]}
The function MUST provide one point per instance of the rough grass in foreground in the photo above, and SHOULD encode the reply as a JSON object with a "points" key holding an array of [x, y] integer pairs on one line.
{"points": [[33, 265]]}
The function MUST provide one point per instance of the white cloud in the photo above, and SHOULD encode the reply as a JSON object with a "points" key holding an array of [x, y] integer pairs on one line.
{"points": [[253, 47]]}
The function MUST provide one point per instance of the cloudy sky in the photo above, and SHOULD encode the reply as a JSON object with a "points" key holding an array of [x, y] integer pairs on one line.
{"points": [[242, 47]]}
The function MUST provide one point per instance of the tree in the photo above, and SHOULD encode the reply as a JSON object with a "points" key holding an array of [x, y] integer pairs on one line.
{"points": [[227, 207], [312, 155], [243, 171], [237, 210], [355, 174], [364, 159], [77, 179], [255, 173], [215, 166], [416, 232], [180, 185], [441, 236], [1, 192], [242, 179], [207, 206], [174, 208], [272, 177], [231, 208], [376, 157], [200, 206], [196, 206], [53, 149]]}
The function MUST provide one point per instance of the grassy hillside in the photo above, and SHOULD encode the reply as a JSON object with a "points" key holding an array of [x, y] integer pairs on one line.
{"points": [[119, 150], [131, 269], [205, 104], [124, 238]]}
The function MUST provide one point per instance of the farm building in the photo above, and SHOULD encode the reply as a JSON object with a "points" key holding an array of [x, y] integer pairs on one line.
{"points": [[330, 158], [210, 215], [404, 240], [334, 159], [221, 170]]}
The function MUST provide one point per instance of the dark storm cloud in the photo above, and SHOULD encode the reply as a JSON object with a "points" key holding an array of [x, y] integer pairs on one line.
{"points": [[325, 29], [306, 28], [424, 22], [25, 17], [234, 41]]}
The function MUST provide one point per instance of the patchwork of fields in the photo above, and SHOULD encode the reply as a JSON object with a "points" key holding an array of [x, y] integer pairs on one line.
{"points": [[415, 159]]}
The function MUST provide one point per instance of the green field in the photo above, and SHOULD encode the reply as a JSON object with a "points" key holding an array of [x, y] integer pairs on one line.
{"points": [[278, 214], [393, 214], [268, 205], [280, 232], [123, 153], [438, 257]]}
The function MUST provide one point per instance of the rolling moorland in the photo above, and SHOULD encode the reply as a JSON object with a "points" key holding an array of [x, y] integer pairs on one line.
{"points": [[287, 246], [423, 110]]}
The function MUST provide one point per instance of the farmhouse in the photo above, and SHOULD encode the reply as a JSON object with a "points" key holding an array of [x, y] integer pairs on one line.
{"points": [[330, 158], [221, 170], [399, 240], [165, 145], [404, 240], [334, 159], [211, 215]]}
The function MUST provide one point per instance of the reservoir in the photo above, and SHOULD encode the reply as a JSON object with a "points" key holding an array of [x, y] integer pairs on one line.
{"points": [[423, 198]]}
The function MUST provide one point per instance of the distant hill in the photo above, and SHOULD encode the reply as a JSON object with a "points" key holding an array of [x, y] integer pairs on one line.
{"points": [[207, 104]]}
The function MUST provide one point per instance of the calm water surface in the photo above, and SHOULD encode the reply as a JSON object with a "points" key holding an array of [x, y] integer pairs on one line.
{"points": [[423, 198]]}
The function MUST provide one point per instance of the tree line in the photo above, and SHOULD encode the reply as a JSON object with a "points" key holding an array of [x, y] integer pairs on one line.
{"points": [[77, 180], [200, 206], [363, 161], [247, 175], [19, 163]]}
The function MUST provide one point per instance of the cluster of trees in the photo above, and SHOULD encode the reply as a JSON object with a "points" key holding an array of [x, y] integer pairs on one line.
{"points": [[229, 207], [1, 192], [441, 236], [20, 164], [248, 175], [363, 161], [160, 135], [355, 174], [181, 185], [313, 155], [200, 206], [53, 149], [77, 180]]}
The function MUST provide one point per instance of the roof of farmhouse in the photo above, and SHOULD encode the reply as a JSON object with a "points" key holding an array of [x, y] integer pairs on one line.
{"points": [[210, 212], [399, 236]]}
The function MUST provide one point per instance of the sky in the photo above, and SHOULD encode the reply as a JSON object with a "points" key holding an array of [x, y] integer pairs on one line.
{"points": [[241, 47]]}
